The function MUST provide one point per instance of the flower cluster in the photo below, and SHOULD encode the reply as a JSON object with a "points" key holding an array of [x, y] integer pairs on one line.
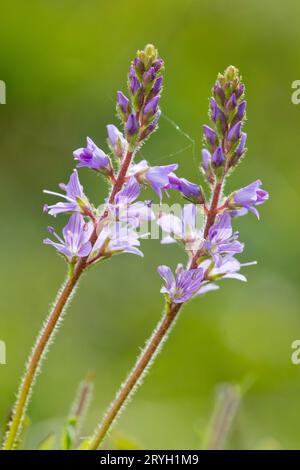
{"points": [[94, 233], [97, 232], [211, 247]]}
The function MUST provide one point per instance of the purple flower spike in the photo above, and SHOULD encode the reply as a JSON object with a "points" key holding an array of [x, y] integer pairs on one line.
{"points": [[184, 286], [123, 102], [221, 240], [151, 105], [218, 157], [75, 243], [132, 125], [248, 197], [76, 201], [210, 135], [235, 132], [92, 157]]}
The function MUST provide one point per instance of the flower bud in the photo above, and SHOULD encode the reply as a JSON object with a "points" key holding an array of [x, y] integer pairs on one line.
{"points": [[151, 105], [116, 141], [206, 159], [132, 126], [210, 136], [235, 132], [157, 85], [123, 102], [218, 157]]}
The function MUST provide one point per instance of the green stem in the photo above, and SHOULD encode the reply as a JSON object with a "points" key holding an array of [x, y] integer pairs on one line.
{"points": [[136, 375], [149, 353], [43, 341], [49, 328]]}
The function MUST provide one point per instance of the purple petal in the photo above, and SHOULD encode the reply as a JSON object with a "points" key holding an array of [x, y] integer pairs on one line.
{"points": [[167, 275]]}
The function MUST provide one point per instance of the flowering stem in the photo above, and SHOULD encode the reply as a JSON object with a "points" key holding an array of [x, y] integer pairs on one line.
{"points": [[48, 330], [213, 207], [39, 349], [211, 215], [121, 176], [135, 376], [156, 340]]}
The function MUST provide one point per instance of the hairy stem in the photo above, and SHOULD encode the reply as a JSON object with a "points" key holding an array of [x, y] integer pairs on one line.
{"points": [[49, 328], [156, 340], [121, 176], [43, 341], [135, 376]]}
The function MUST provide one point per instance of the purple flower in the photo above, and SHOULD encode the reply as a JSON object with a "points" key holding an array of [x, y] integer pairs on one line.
{"points": [[138, 64], [76, 201], [123, 102], [92, 157], [75, 243], [218, 157], [210, 135], [219, 93], [149, 76], [248, 197], [235, 132], [134, 82], [189, 190], [221, 240], [183, 228], [128, 211], [181, 288], [157, 85], [114, 239], [153, 123], [132, 125], [231, 103], [116, 141], [151, 105], [156, 176], [214, 109], [206, 159], [241, 147], [158, 64], [229, 269], [240, 90], [240, 114]]}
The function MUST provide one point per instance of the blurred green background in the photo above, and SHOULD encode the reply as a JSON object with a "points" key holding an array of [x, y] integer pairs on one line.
{"points": [[62, 62]]}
